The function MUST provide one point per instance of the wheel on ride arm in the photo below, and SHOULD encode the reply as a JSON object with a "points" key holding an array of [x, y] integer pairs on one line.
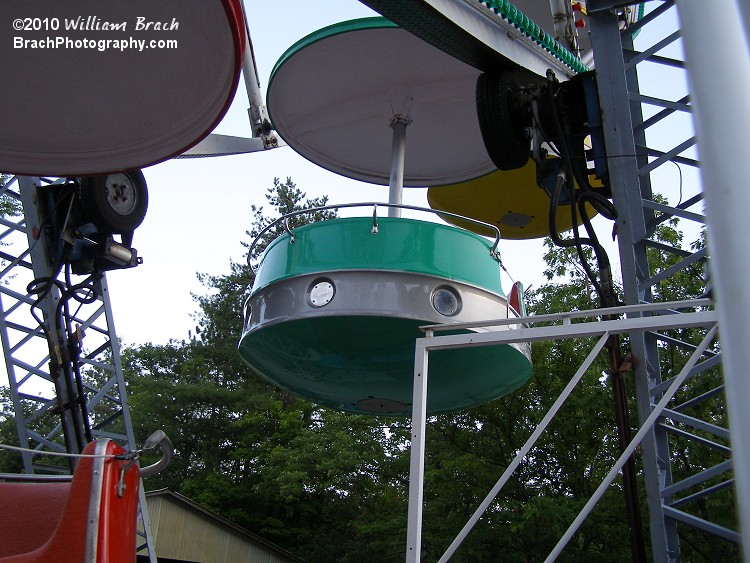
{"points": [[115, 203], [502, 120]]}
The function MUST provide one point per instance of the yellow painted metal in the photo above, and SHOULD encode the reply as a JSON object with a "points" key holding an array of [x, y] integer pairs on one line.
{"points": [[509, 199]]}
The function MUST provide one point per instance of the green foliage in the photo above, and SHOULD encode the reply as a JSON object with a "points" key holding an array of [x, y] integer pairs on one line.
{"points": [[317, 482], [9, 207], [332, 486], [285, 198], [10, 462]]}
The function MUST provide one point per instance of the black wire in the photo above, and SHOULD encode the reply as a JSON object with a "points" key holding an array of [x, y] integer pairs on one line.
{"points": [[58, 260], [41, 287], [677, 164], [84, 293], [592, 242], [554, 203], [578, 203]]}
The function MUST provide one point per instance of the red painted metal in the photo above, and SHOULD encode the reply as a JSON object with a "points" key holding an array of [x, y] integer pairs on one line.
{"points": [[117, 514], [54, 521]]}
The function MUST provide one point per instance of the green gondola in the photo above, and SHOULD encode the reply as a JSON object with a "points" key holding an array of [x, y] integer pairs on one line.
{"points": [[333, 316]]}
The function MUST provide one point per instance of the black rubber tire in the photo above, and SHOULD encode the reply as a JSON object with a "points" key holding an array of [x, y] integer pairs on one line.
{"points": [[115, 203], [501, 120]]}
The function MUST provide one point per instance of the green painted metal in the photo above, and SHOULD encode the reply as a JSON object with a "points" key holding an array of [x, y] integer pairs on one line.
{"points": [[513, 15], [338, 358], [329, 31], [413, 17], [405, 245], [339, 361]]}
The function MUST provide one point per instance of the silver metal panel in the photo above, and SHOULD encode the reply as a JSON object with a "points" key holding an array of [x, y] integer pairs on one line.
{"points": [[95, 499], [492, 30], [719, 77], [370, 293]]}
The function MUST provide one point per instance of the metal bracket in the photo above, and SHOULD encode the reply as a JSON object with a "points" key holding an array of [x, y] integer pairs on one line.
{"points": [[288, 230]]}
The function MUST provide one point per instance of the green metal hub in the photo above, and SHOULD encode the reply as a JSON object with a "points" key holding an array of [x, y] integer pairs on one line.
{"points": [[405, 245], [357, 364], [333, 316]]}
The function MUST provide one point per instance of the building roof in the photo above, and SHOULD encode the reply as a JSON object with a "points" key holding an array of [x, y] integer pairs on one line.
{"points": [[183, 530]]}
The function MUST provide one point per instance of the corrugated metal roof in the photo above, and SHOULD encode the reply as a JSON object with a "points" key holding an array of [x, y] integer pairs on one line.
{"points": [[184, 530]]}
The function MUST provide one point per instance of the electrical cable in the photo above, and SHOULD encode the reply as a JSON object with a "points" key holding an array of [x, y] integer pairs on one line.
{"points": [[67, 360], [41, 287], [64, 339], [74, 339], [57, 454], [568, 175]]}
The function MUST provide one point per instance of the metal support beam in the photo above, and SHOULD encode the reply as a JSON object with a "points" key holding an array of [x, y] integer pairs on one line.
{"points": [[30, 348], [632, 159], [719, 77], [529, 332], [526, 448], [622, 117], [416, 464], [640, 435], [398, 155]]}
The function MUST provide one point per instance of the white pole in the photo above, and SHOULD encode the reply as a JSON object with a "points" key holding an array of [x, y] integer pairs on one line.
{"points": [[257, 110], [398, 151], [416, 463], [718, 63]]}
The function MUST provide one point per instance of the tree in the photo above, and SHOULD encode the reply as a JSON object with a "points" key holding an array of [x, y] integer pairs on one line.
{"points": [[296, 473], [333, 486], [10, 462], [469, 451], [9, 207]]}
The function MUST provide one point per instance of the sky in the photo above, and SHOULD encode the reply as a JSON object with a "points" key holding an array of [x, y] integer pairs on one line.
{"points": [[200, 209]]}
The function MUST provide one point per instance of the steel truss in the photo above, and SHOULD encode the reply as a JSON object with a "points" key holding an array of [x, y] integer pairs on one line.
{"points": [[636, 153], [655, 317], [635, 159], [676, 411], [53, 411]]}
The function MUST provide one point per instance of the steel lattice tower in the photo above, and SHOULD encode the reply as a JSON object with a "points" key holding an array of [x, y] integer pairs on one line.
{"points": [[630, 116], [53, 412]]}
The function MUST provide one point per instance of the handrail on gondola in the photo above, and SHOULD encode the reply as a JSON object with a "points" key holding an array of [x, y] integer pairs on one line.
{"points": [[284, 220]]}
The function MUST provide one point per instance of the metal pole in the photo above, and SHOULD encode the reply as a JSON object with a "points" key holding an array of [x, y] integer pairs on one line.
{"points": [[622, 118], [398, 150], [525, 449], [624, 435], [640, 435], [67, 400], [719, 79], [254, 95], [416, 464], [744, 9], [257, 110]]}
